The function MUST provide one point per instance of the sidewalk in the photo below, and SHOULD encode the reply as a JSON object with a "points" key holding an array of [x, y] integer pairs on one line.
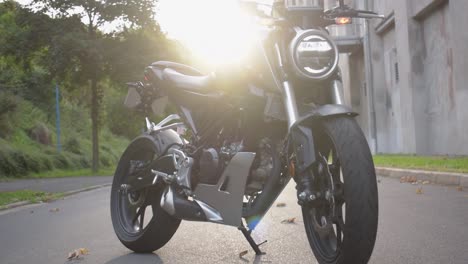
{"points": [[435, 177], [52, 185]]}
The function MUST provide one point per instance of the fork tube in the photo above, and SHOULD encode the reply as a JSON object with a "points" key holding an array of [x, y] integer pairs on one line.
{"points": [[290, 104], [337, 92], [289, 96]]}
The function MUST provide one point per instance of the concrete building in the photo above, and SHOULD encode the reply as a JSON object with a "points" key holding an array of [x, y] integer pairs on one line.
{"points": [[407, 75]]}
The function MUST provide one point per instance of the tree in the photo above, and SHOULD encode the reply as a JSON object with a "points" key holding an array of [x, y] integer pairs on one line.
{"points": [[134, 13], [26, 50]]}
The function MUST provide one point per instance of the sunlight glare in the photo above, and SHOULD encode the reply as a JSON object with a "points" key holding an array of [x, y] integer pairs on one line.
{"points": [[216, 31]]}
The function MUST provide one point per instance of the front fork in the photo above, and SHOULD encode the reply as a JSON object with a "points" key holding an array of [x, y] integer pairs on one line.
{"points": [[301, 148], [301, 140]]}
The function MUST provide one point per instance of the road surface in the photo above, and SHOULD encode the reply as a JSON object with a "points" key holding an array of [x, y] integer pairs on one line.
{"points": [[413, 228]]}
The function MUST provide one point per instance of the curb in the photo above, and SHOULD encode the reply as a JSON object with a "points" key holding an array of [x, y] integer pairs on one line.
{"points": [[65, 194], [443, 178]]}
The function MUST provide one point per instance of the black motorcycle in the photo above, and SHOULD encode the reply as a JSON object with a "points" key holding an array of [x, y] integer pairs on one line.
{"points": [[239, 137]]}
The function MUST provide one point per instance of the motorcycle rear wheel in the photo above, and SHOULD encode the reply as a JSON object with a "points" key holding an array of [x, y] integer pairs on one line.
{"points": [[341, 223], [128, 210]]}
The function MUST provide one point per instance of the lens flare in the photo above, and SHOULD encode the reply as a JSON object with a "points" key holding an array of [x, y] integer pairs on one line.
{"points": [[216, 31]]}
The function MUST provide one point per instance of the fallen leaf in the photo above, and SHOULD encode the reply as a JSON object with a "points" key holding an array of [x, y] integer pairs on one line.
{"points": [[289, 221], [419, 190], [426, 182], [243, 253], [414, 183], [73, 255], [280, 204], [77, 253], [54, 210], [403, 179], [459, 188]]}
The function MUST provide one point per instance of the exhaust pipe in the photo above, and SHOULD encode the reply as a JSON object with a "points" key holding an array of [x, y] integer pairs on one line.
{"points": [[179, 207]]}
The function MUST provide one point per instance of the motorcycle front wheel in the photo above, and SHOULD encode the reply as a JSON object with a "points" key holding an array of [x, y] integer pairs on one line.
{"points": [[138, 220], [341, 221]]}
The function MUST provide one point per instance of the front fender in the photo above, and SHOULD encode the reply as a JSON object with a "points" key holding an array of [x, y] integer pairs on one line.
{"points": [[301, 140]]}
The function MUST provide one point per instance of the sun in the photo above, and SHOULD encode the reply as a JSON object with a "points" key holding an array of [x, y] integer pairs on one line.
{"points": [[216, 31]]}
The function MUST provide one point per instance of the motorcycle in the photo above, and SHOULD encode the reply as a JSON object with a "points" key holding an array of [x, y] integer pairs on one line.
{"points": [[238, 138]]}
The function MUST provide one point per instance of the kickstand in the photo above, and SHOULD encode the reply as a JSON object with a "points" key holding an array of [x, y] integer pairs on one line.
{"points": [[252, 243]]}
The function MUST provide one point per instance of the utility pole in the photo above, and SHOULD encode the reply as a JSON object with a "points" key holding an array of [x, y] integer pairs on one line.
{"points": [[57, 116]]}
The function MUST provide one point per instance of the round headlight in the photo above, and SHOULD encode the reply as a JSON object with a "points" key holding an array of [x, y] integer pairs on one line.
{"points": [[313, 54]]}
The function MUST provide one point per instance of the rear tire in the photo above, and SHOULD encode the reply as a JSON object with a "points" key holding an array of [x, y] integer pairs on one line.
{"points": [[333, 236], [160, 229]]}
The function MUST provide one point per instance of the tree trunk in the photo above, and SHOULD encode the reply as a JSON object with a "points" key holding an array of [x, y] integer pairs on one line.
{"points": [[95, 123]]}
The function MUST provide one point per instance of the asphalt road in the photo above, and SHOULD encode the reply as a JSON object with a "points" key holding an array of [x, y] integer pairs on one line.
{"points": [[414, 228]]}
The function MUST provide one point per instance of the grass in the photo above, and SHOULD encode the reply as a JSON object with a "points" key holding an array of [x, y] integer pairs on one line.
{"points": [[22, 157], [73, 173], [431, 163], [26, 195]]}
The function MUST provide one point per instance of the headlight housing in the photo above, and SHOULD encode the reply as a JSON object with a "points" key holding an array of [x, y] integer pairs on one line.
{"points": [[313, 54]]}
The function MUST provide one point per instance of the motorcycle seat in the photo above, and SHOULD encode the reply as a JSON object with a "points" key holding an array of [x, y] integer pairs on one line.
{"points": [[195, 83]]}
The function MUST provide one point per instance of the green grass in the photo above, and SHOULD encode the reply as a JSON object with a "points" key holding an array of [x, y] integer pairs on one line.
{"points": [[73, 173], [26, 195], [22, 157], [432, 163]]}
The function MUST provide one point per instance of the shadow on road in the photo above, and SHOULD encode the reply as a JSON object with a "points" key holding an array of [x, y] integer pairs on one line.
{"points": [[136, 258]]}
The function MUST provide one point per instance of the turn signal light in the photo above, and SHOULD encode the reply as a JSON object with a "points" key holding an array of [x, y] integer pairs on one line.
{"points": [[343, 20]]}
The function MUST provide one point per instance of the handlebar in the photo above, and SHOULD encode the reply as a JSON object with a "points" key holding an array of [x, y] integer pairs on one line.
{"points": [[345, 11]]}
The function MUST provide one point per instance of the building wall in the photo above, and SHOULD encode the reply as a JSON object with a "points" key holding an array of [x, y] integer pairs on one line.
{"points": [[419, 81]]}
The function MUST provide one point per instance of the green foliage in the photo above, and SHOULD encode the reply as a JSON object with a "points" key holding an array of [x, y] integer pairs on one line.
{"points": [[38, 51], [120, 120], [8, 105], [22, 156]]}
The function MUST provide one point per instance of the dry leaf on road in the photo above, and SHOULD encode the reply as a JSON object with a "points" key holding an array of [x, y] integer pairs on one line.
{"points": [[243, 253], [280, 204], [289, 221], [419, 190], [77, 253], [459, 188], [426, 182], [54, 210]]}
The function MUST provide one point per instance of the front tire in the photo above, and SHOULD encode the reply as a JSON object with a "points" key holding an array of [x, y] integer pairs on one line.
{"points": [[343, 178], [128, 209]]}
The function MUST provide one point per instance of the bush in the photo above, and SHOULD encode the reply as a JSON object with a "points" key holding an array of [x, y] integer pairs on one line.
{"points": [[8, 105], [72, 145], [122, 121], [22, 155]]}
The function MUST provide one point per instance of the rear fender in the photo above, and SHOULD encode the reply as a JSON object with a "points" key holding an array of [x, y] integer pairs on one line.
{"points": [[159, 143]]}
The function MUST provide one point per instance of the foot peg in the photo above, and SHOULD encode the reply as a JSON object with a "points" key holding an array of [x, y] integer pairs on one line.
{"points": [[253, 244]]}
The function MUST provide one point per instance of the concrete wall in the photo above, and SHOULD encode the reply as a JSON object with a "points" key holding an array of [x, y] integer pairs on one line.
{"points": [[419, 81]]}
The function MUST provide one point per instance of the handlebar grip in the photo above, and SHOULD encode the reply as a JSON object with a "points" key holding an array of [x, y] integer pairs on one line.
{"points": [[369, 16]]}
